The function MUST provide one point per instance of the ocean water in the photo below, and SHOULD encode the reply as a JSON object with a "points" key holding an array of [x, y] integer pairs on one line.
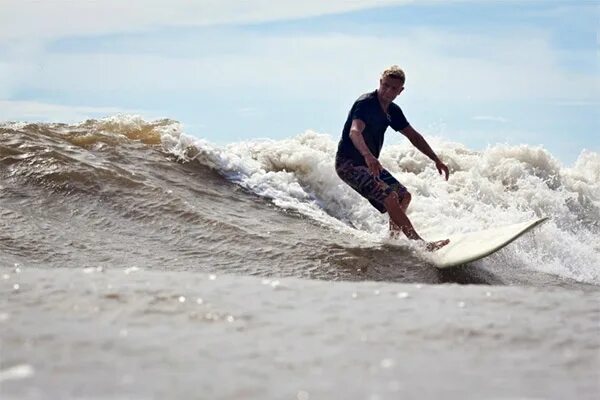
{"points": [[140, 261]]}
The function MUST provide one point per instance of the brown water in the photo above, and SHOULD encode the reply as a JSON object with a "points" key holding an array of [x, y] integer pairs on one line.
{"points": [[110, 231], [74, 334]]}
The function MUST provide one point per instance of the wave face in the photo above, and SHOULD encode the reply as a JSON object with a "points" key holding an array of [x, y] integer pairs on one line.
{"points": [[122, 191]]}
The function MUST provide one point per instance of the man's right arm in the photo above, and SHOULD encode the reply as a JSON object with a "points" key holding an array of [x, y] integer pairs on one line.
{"points": [[356, 130]]}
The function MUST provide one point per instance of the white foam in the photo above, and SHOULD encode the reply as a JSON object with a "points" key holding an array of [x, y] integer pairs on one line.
{"points": [[296, 173], [498, 186], [17, 372]]}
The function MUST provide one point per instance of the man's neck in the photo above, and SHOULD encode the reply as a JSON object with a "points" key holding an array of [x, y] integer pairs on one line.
{"points": [[384, 104]]}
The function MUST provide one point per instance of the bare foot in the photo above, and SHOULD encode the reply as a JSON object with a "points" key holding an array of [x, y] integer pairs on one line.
{"points": [[433, 246]]}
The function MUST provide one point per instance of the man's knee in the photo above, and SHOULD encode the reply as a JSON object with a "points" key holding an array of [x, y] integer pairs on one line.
{"points": [[391, 200], [393, 197]]}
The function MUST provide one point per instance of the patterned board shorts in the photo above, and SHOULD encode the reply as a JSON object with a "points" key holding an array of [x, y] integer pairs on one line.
{"points": [[375, 190]]}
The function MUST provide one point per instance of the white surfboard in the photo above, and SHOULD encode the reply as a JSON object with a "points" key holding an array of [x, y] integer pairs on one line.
{"points": [[464, 248]]}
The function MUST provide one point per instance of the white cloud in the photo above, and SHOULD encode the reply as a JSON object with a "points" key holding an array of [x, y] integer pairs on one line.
{"points": [[326, 66], [444, 69], [34, 19], [38, 111]]}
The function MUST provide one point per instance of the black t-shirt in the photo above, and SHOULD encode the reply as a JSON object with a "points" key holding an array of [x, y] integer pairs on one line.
{"points": [[368, 109]]}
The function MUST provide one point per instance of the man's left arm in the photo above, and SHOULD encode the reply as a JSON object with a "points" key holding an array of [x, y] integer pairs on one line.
{"points": [[420, 143]]}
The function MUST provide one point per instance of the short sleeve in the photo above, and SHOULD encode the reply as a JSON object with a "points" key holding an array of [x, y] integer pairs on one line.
{"points": [[359, 110], [398, 121]]}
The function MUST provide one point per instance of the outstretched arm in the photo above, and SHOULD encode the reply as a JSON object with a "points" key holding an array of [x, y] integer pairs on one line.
{"points": [[420, 143]]}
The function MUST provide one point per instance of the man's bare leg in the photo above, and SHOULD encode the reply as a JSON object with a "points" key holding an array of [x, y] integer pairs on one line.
{"points": [[399, 218], [395, 229]]}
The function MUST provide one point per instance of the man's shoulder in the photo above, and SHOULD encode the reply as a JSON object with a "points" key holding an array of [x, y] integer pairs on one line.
{"points": [[366, 96], [395, 107], [398, 119], [395, 110], [365, 101]]}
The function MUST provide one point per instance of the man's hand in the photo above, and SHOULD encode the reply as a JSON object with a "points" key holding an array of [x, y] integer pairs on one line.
{"points": [[442, 167], [373, 164]]}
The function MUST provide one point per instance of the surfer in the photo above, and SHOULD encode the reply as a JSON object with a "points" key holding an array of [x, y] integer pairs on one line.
{"points": [[357, 163]]}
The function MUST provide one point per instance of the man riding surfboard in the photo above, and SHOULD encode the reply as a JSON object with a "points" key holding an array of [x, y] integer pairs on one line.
{"points": [[357, 161]]}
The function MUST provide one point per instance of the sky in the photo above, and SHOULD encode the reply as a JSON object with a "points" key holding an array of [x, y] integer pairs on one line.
{"points": [[478, 72]]}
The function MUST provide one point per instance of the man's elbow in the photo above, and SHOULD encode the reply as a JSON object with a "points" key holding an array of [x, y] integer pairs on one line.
{"points": [[410, 133], [355, 133]]}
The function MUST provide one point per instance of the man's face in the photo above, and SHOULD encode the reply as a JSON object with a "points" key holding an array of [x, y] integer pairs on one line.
{"points": [[390, 88]]}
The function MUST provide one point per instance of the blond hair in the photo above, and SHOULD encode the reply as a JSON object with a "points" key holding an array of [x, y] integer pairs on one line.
{"points": [[394, 72]]}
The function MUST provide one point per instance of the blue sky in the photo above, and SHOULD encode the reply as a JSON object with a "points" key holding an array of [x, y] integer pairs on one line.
{"points": [[478, 72]]}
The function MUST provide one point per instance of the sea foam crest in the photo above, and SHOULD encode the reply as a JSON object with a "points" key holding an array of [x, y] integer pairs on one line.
{"points": [[497, 186]]}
